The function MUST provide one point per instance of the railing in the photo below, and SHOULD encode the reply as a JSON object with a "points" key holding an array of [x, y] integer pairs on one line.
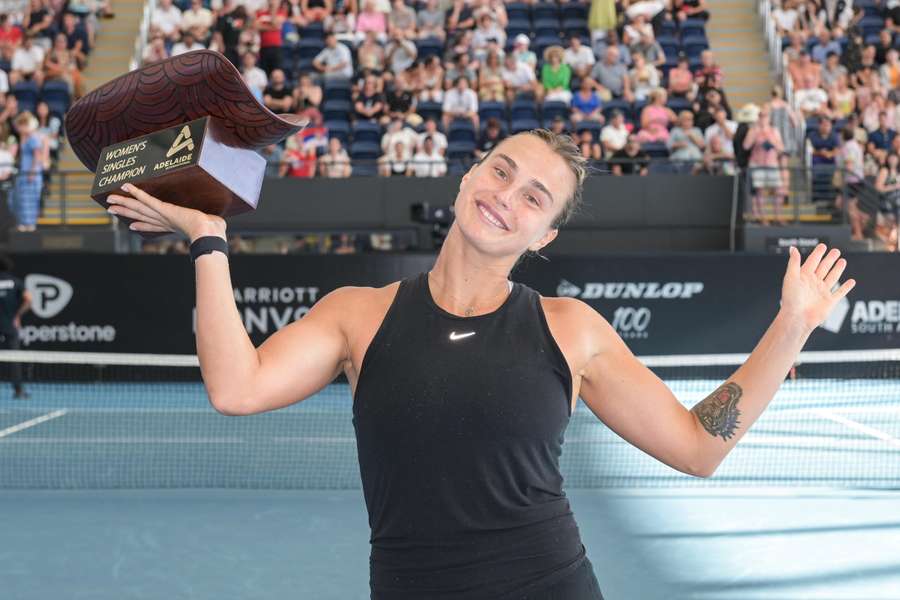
{"points": [[776, 56], [140, 42]]}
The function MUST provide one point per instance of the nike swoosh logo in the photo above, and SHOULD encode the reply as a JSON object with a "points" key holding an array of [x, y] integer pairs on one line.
{"points": [[454, 336]]}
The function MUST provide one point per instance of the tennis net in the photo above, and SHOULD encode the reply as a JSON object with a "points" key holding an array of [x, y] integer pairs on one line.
{"points": [[105, 420]]}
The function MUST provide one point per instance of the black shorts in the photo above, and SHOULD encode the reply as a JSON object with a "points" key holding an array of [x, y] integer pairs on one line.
{"points": [[581, 584]]}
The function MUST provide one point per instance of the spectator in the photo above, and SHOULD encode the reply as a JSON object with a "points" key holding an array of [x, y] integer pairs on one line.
{"points": [[519, 78], [579, 57], [811, 100], [48, 127], [307, 94], [495, 8], [370, 54], [615, 134], [832, 69], [400, 52], [709, 75], [278, 96], [370, 103], [439, 139], [632, 32], [431, 21], [887, 183], [26, 64], [397, 132], [226, 37], [274, 156], [60, 65], [490, 138], [167, 19], [719, 136], [764, 143], [342, 23], [850, 160], [786, 18], [253, 76], [824, 148], [823, 46], [643, 76], [790, 125], [686, 142], [460, 102], [890, 70], [805, 74], [601, 45], [34, 157], [76, 38], [656, 118], [705, 110], [461, 67], [610, 77], [460, 44], [336, 163], [690, 9], [270, 24], [558, 125], [432, 80], [299, 159], [491, 87], [155, 50], [843, 99], [586, 104], [556, 76], [630, 159], [885, 45], [681, 80], [427, 162], [396, 162], [371, 19], [335, 60], [881, 140], [315, 11], [522, 53], [188, 42], [590, 148], [198, 20], [401, 97], [487, 30], [459, 17], [651, 50]]}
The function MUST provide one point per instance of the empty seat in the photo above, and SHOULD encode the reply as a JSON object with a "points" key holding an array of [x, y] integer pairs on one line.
{"points": [[366, 131], [461, 130]]}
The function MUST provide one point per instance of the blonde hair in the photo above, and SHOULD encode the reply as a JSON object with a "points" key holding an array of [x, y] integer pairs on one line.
{"points": [[568, 150], [25, 119], [550, 51]]}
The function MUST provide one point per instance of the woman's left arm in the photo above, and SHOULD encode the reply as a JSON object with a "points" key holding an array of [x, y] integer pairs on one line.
{"points": [[632, 401]]}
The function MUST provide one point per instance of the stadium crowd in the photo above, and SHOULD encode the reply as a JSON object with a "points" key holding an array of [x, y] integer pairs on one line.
{"points": [[843, 64], [422, 89]]}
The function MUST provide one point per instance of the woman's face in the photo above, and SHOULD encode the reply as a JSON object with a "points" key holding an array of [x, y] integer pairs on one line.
{"points": [[509, 183], [42, 109]]}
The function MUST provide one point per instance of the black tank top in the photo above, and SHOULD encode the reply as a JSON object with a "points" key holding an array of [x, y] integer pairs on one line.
{"points": [[459, 424]]}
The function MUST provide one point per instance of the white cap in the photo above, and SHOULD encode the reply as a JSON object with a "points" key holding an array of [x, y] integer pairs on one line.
{"points": [[522, 39]]}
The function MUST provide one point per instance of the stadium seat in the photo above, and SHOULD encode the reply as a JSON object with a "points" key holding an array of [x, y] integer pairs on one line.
{"points": [[339, 130], [461, 130], [336, 90], [313, 31], [871, 25], [668, 28], [486, 110], [504, 127], [26, 93], [544, 10], [575, 27], [523, 109], [514, 28], [337, 110], [575, 10], [553, 108], [56, 94], [365, 151], [518, 11], [592, 126], [655, 149], [543, 42], [617, 103], [429, 47], [366, 131], [519, 125], [692, 27], [364, 168], [432, 110], [678, 104], [546, 28], [694, 45], [308, 48], [460, 149]]}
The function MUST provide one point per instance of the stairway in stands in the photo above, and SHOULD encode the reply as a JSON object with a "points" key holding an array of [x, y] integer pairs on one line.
{"points": [[110, 58], [737, 39]]}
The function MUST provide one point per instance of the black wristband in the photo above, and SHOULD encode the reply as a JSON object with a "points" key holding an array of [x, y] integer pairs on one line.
{"points": [[206, 244]]}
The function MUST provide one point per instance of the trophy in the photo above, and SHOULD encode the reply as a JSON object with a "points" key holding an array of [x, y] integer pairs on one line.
{"points": [[186, 130]]}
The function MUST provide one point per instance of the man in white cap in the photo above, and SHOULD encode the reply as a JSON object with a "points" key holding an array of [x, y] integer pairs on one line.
{"points": [[521, 51]]}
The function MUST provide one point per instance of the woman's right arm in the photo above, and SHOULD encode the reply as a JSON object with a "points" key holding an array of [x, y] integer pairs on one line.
{"points": [[293, 363]]}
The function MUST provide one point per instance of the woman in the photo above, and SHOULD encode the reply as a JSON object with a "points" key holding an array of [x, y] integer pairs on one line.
{"points": [[556, 76], [764, 143], [307, 94], [491, 87], [842, 98], [470, 380], [370, 54], [48, 126], [656, 118], [888, 185], [586, 103], [644, 77], [34, 158], [590, 148], [432, 80], [787, 121], [851, 177], [60, 64]]}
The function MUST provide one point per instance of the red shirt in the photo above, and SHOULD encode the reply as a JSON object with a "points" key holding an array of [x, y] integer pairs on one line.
{"points": [[270, 38], [300, 164], [11, 36]]}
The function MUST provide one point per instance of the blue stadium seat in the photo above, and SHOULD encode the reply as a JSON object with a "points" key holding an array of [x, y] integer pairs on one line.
{"points": [[593, 126], [694, 45], [364, 168], [871, 25], [337, 110], [486, 110], [26, 93], [575, 10], [546, 28], [313, 31], [553, 108], [678, 104], [617, 103], [668, 28], [524, 125], [340, 130], [655, 149], [548, 123], [56, 94], [433, 110], [523, 109], [518, 11], [336, 90], [514, 28], [544, 10], [872, 39], [430, 46], [366, 131], [543, 42], [504, 126], [575, 27], [691, 27], [308, 48], [461, 130], [460, 149], [365, 150]]}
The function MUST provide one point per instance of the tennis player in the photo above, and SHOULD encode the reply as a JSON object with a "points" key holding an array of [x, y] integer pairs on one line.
{"points": [[464, 382]]}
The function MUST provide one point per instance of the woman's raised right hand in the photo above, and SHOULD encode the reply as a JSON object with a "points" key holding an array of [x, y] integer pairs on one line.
{"points": [[152, 214]]}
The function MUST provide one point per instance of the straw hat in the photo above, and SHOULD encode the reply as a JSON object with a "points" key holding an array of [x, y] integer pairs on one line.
{"points": [[749, 113]]}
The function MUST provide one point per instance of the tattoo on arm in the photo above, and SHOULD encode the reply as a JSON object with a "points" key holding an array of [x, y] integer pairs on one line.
{"points": [[718, 412]]}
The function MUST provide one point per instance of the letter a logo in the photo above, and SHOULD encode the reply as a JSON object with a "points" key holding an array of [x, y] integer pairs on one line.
{"points": [[181, 142]]}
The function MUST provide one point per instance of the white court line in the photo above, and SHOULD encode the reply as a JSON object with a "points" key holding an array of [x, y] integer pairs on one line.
{"points": [[858, 426], [31, 423]]}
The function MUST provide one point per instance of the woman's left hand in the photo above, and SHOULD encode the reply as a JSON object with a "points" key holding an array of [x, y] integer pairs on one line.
{"points": [[808, 293]]}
